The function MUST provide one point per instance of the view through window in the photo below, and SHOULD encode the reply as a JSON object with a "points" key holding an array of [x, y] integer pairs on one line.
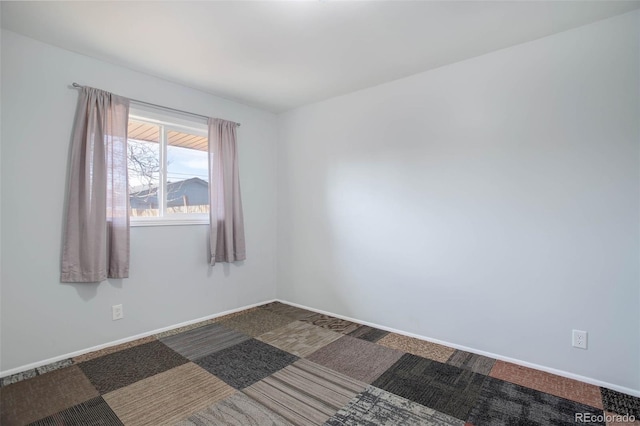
{"points": [[168, 170]]}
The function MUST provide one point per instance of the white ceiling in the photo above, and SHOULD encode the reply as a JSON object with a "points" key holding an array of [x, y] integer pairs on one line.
{"points": [[281, 55]]}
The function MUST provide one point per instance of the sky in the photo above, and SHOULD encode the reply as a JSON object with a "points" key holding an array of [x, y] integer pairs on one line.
{"points": [[184, 163]]}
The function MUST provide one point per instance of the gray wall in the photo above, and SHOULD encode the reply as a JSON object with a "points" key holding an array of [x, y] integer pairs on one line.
{"points": [[492, 203], [170, 280]]}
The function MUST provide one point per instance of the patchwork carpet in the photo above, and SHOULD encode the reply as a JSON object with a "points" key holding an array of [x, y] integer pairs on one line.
{"points": [[282, 365], [299, 338], [203, 341], [359, 359], [305, 393], [167, 397], [374, 406]]}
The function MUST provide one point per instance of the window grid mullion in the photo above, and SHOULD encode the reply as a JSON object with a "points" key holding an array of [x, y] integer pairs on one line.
{"points": [[162, 199]]}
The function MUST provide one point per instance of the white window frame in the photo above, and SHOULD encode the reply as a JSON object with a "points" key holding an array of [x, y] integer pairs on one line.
{"points": [[167, 122]]}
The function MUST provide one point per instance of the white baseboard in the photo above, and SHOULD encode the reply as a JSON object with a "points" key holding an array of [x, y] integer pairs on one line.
{"points": [[125, 340], [561, 373]]}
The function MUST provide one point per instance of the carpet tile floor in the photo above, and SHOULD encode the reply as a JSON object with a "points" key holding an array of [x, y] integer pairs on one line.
{"points": [[472, 362], [377, 407], [257, 322], [128, 366], [299, 338], [282, 365], [443, 387], [305, 393], [203, 341], [330, 323], [359, 359], [503, 403], [417, 347], [246, 363], [168, 397], [237, 410], [369, 334], [548, 383], [92, 412]]}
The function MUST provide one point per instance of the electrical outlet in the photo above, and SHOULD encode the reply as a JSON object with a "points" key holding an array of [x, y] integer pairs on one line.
{"points": [[579, 339], [117, 312]]}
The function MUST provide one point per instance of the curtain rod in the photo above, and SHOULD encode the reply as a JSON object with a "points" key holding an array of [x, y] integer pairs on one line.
{"points": [[79, 86]]}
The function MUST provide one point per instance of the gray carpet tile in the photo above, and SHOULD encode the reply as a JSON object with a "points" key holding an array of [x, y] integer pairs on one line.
{"points": [[369, 334], [472, 362], [246, 363], [620, 403], [288, 310], [362, 360], [119, 369], [305, 393], [236, 410], [203, 341], [504, 403], [18, 377], [54, 366], [445, 388], [375, 406], [94, 412]]}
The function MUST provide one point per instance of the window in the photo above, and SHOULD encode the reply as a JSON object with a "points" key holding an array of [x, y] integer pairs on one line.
{"points": [[168, 169]]}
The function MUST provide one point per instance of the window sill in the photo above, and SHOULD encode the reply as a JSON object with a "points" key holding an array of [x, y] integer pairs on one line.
{"points": [[154, 221]]}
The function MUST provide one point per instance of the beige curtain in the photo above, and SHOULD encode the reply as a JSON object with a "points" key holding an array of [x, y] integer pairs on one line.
{"points": [[227, 227], [96, 236]]}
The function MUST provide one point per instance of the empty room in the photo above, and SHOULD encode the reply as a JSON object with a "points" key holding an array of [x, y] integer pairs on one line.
{"points": [[320, 213]]}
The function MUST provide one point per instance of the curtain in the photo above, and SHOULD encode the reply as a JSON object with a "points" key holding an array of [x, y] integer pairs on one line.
{"points": [[96, 235], [227, 228]]}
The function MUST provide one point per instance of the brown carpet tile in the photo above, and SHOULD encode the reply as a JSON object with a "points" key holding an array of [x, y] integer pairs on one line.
{"points": [[123, 368], [548, 383], [287, 310], [472, 362], [305, 393], [168, 397], [418, 347], [359, 359], [112, 349], [30, 400], [299, 338], [236, 410], [334, 324], [257, 322]]}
